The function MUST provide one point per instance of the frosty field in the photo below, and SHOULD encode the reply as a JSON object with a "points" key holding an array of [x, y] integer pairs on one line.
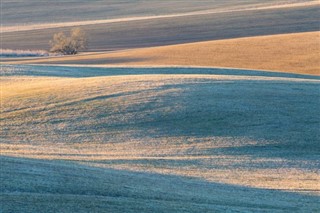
{"points": [[157, 106], [158, 139]]}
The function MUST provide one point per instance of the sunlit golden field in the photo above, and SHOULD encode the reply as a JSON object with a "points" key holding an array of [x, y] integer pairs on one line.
{"points": [[293, 53]]}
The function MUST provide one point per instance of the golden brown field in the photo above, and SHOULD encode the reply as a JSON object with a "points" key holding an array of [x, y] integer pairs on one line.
{"points": [[294, 53]]}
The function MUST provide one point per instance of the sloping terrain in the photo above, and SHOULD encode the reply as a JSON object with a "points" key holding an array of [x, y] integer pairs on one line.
{"points": [[53, 186], [142, 122], [176, 29], [295, 53], [226, 140], [26, 12], [250, 7]]}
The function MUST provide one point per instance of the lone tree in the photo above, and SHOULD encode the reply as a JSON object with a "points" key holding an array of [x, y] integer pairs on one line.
{"points": [[69, 45]]}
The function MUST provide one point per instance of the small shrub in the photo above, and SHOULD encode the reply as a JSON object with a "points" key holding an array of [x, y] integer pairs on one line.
{"points": [[69, 45]]}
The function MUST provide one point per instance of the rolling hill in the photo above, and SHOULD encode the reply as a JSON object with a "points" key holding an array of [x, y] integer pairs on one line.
{"points": [[214, 133], [177, 106], [203, 24], [295, 53]]}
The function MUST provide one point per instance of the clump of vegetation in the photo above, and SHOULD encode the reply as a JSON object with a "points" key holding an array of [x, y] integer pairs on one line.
{"points": [[69, 45], [7, 53]]}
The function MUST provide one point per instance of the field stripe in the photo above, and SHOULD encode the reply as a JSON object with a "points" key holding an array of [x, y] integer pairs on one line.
{"points": [[8, 29]]}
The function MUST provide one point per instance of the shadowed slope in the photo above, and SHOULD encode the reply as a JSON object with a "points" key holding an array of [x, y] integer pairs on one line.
{"points": [[177, 30], [83, 71], [236, 8], [246, 130], [14, 12], [51, 186]]}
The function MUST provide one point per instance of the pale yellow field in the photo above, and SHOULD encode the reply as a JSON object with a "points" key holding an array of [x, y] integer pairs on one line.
{"points": [[294, 53]]}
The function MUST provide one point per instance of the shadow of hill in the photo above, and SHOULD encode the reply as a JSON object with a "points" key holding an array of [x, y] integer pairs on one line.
{"points": [[83, 72], [280, 115], [30, 185]]}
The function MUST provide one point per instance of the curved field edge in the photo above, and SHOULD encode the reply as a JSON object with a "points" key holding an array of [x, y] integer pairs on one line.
{"points": [[243, 129], [177, 30], [292, 53], [51, 186], [253, 7]]}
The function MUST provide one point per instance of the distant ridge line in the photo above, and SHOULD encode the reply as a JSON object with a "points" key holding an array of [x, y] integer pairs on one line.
{"points": [[7, 29]]}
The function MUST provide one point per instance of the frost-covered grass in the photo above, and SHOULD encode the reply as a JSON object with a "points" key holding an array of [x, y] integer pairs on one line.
{"points": [[8, 53], [29, 186], [227, 140]]}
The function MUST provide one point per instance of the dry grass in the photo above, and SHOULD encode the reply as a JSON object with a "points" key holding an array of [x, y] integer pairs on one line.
{"points": [[252, 131], [294, 53]]}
